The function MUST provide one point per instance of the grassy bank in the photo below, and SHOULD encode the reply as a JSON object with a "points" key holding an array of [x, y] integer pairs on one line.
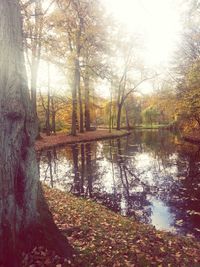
{"points": [[62, 138], [104, 238]]}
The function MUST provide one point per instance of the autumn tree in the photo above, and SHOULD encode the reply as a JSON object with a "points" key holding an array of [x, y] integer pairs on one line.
{"points": [[187, 65], [77, 41], [67, 22]]}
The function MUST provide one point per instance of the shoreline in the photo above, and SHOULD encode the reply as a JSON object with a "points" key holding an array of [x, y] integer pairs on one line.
{"points": [[192, 137], [62, 139]]}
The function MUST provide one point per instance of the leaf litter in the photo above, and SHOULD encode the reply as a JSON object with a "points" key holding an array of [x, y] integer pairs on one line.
{"points": [[104, 238]]}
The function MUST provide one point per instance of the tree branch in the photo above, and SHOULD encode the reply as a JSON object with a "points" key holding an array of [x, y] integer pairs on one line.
{"points": [[134, 88]]}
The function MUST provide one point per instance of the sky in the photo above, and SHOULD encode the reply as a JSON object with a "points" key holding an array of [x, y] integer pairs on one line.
{"points": [[158, 21], [159, 24]]}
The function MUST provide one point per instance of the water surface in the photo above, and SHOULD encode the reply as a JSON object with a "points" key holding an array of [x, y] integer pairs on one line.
{"points": [[150, 175]]}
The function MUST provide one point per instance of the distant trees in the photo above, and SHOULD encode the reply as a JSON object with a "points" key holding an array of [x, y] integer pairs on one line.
{"points": [[79, 38], [150, 115], [89, 47], [52, 110]]}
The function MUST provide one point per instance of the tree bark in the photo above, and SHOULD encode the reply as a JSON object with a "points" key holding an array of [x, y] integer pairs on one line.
{"points": [[87, 101], [53, 122], [74, 98], [119, 111], [80, 103], [53, 115], [48, 127], [127, 118], [22, 220], [110, 110], [76, 82]]}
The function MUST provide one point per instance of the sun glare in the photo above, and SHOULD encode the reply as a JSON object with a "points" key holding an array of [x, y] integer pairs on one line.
{"points": [[158, 22]]}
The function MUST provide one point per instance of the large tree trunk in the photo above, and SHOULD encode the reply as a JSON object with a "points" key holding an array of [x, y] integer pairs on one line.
{"points": [[21, 220]]}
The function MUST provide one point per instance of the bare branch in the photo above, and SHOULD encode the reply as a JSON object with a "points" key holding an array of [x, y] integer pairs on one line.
{"points": [[135, 87], [28, 3]]}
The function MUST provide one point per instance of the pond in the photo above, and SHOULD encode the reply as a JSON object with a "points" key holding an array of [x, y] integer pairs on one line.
{"points": [[150, 175]]}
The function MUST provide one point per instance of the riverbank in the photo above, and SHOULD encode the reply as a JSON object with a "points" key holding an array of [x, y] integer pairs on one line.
{"points": [[193, 137], [104, 238], [63, 139], [152, 127]]}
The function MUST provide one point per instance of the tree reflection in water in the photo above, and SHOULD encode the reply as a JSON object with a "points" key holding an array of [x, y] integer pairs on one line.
{"points": [[147, 175]]}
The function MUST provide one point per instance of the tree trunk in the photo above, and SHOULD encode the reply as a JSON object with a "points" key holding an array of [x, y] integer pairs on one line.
{"points": [[53, 116], [119, 111], [74, 97], [76, 82], [87, 101], [80, 103], [127, 118], [53, 122], [48, 127], [23, 212], [110, 110]]}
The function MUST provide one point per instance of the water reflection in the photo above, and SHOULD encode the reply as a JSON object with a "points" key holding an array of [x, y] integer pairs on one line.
{"points": [[149, 175]]}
